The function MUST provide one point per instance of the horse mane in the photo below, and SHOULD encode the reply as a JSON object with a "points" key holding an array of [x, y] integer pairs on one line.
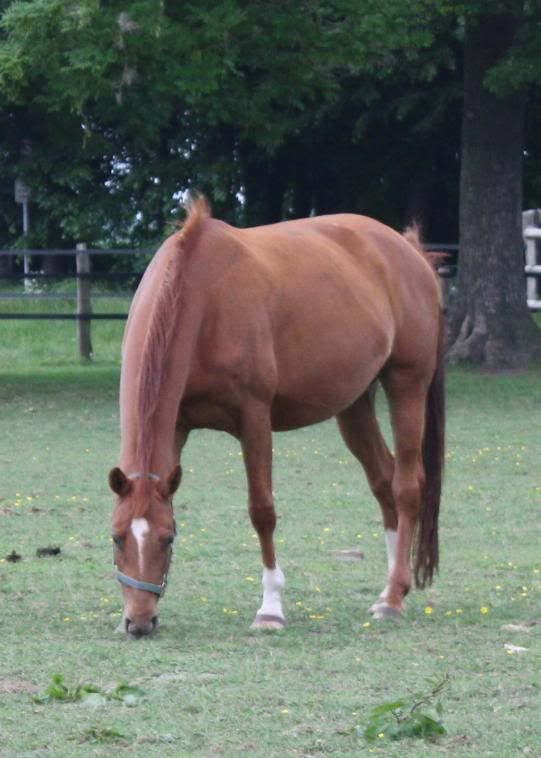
{"points": [[162, 321], [412, 234]]}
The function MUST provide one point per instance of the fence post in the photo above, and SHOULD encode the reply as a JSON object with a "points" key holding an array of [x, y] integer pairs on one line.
{"points": [[531, 221], [84, 303]]}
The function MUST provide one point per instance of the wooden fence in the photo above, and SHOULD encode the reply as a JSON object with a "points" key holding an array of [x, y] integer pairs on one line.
{"points": [[84, 274], [531, 231]]}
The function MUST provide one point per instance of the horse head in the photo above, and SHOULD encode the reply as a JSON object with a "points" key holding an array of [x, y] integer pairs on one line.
{"points": [[143, 534]]}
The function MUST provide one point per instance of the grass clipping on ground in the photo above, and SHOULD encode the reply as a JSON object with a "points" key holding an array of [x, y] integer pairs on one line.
{"points": [[418, 715]]}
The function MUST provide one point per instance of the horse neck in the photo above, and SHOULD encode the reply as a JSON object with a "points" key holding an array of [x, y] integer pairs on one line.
{"points": [[160, 450]]}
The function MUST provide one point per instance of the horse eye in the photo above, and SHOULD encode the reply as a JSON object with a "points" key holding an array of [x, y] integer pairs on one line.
{"points": [[118, 540], [169, 541]]}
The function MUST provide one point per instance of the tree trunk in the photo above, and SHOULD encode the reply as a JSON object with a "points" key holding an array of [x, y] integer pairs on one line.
{"points": [[489, 320], [6, 264], [54, 264]]}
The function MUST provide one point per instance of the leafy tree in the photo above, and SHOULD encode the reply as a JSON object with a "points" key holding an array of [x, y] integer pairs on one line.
{"points": [[489, 321], [284, 105], [145, 93], [277, 109]]}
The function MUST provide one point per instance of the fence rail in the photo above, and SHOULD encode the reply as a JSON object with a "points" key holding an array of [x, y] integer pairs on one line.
{"points": [[83, 275], [71, 252], [83, 297], [113, 276], [63, 316]]}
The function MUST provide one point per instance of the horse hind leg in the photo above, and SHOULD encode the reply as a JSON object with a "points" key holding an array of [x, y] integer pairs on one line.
{"points": [[256, 440], [361, 432], [406, 392]]}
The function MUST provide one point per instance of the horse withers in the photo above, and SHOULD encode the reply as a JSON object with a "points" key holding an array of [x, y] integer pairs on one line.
{"points": [[273, 328]]}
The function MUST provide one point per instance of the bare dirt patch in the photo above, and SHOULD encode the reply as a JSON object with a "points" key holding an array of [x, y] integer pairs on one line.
{"points": [[348, 555], [15, 685]]}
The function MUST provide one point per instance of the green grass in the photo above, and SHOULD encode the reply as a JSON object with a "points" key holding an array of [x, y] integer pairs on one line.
{"points": [[211, 686], [42, 345]]}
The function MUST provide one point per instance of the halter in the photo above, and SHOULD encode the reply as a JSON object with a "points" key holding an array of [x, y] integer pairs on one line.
{"points": [[129, 581], [139, 475], [157, 589]]}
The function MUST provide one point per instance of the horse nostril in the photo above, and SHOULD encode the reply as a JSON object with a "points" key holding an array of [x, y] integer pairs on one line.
{"points": [[138, 630], [127, 623]]}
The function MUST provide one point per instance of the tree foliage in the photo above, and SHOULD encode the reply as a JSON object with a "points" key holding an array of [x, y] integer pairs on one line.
{"points": [[292, 107], [273, 109]]}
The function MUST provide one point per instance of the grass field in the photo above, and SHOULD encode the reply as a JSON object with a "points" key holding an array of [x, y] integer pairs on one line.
{"points": [[207, 684]]}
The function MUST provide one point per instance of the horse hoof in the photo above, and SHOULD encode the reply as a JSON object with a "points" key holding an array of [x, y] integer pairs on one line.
{"points": [[264, 621], [387, 612]]}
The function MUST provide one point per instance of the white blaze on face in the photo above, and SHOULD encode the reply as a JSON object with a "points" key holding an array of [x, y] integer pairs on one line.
{"points": [[139, 529]]}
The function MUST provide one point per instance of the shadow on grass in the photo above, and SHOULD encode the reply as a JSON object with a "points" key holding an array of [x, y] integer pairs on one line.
{"points": [[94, 377]]}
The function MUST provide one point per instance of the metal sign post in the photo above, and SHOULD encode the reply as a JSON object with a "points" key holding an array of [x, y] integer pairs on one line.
{"points": [[22, 197]]}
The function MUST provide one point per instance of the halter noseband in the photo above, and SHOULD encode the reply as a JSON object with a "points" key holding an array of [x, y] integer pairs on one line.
{"points": [[157, 589], [129, 581]]}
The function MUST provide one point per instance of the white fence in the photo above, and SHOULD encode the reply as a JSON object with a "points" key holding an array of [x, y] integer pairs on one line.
{"points": [[531, 231]]}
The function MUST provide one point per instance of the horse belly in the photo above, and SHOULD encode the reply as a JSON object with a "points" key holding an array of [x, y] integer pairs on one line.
{"points": [[323, 374]]}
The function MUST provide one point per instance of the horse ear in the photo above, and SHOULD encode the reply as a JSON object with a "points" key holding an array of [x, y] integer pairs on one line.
{"points": [[119, 482], [173, 480]]}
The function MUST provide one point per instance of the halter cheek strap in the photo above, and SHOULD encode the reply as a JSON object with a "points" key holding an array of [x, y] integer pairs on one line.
{"points": [[157, 589]]}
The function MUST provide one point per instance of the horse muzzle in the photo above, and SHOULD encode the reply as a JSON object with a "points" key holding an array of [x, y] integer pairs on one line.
{"points": [[140, 606], [138, 629]]}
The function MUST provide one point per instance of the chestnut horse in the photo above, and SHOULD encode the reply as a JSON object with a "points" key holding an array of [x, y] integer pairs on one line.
{"points": [[268, 329]]}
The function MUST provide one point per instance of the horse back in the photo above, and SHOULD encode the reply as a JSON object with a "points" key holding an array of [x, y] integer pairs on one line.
{"points": [[305, 314]]}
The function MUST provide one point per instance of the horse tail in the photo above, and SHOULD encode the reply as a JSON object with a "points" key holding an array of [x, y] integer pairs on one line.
{"points": [[412, 234], [427, 547]]}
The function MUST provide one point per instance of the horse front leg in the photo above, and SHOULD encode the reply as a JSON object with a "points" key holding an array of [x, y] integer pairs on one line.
{"points": [[256, 440]]}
